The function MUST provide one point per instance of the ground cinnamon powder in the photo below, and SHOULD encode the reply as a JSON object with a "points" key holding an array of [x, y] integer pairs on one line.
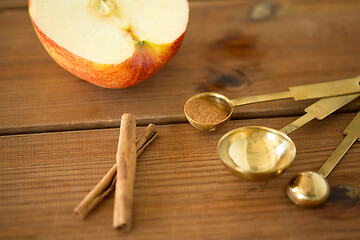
{"points": [[204, 111]]}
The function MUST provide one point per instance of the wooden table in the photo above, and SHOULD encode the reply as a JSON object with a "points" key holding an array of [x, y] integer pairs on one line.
{"points": [[59, 134]]}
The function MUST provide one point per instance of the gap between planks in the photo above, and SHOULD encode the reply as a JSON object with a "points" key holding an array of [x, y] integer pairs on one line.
{"points": [[139, 123]]}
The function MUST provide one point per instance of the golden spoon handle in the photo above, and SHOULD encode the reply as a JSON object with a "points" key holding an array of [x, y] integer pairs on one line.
{"points": [[297, 123], [320, 109], [353, 133], [326, 89], [303, 92], [336, 156], [261, 98]]}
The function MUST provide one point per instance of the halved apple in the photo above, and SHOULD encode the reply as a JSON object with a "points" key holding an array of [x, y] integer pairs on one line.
{"points": [[110, 43]]}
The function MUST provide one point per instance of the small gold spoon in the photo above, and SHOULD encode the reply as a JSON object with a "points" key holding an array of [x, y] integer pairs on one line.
{"points": [[311, 189], [310, 91], [261, 153]]}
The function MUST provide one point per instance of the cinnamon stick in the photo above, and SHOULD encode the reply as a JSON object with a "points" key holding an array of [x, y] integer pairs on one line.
{"points": [[125, 176], [107, 183]]}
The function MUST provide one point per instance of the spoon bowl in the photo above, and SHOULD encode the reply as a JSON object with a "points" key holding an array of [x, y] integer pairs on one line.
{"points": [[218, 101], [261, 153], [308, 189], [256, 153]]}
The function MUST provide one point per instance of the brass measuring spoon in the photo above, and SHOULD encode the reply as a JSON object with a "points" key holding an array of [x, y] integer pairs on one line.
{"points": [[310, 189], [310, 91], [261, 153]]}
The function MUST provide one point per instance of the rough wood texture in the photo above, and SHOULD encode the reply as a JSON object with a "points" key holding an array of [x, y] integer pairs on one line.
{"points": [[224, 50], [182, 191]]}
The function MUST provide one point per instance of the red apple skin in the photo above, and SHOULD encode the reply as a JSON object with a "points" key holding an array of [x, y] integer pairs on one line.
{"points": [[146, 60]]}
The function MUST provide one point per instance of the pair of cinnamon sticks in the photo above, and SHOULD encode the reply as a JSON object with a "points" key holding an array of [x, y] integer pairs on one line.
{"points": [[121, 176]]}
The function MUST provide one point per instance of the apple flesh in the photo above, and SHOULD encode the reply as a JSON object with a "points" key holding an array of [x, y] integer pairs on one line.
{"points": [[110, 43]]}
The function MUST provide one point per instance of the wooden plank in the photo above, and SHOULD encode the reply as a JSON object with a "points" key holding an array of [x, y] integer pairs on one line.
{"points": [[182, 191], [6, 4], [223, 51]]}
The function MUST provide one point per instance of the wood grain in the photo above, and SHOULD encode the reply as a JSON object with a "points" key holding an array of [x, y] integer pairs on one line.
{"points": [[182, 191], [224, 51]]}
